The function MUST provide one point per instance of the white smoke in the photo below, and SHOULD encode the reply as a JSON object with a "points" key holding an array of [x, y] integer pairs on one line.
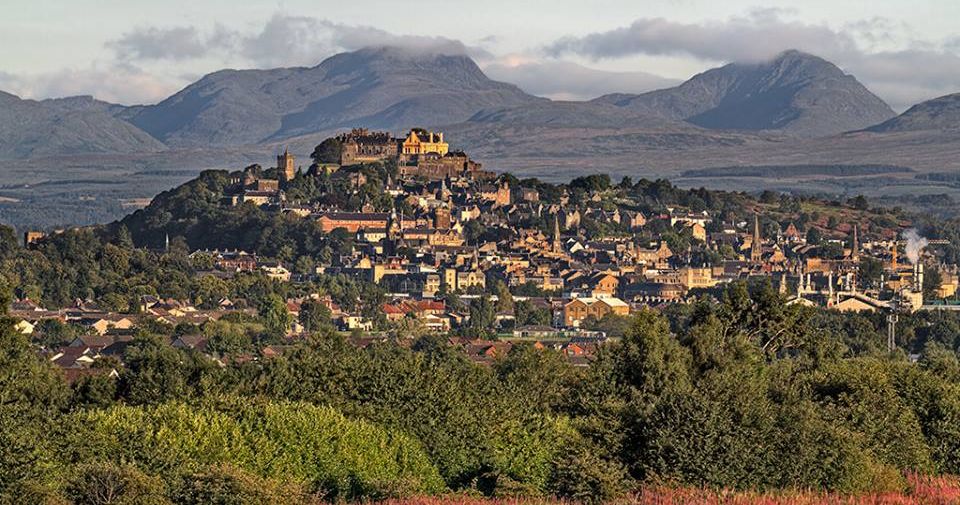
{"points": [[915, 244]]}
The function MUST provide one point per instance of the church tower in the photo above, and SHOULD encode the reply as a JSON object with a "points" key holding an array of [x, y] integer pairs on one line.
{"points": [[557, 246], [756, 248], [285, 167]]}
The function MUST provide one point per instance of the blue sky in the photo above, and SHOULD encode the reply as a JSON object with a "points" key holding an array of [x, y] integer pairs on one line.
{"points": [[137, 51]]}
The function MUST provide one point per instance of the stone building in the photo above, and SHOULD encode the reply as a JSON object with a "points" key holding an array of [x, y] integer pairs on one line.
{"points": [[363, 146], [286, 170]]}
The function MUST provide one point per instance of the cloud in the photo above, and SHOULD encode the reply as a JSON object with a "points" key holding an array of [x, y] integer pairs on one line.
{"points": [[563, 80], [754, 37], [283, 40], [910, 72], [908, 76], [177, 43], [299, 40], [117, 84]]}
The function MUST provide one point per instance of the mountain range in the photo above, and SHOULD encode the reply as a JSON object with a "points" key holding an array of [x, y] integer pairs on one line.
{"points": [[795, 95]]}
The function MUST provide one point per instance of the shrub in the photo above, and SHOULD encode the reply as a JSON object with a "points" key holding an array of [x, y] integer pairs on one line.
{"points": [[102, 483], [296, 442], [228, 485]]}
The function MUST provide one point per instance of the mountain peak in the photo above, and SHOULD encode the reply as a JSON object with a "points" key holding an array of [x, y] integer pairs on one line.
{"points": [[386, 87], [795, 92]]}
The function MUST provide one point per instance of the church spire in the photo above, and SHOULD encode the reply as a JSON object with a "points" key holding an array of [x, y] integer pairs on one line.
{"points": [[855, 247], [557, 247], [756, 248]]}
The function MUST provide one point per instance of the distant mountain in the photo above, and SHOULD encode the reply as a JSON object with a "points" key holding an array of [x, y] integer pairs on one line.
{"points": [[796, 93], [563, 114], [941, 113], [84, 103], [387, 88], [78, 125]]}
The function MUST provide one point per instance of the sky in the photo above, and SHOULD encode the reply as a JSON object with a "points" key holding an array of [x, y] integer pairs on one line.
{"points": [[139, 51]]}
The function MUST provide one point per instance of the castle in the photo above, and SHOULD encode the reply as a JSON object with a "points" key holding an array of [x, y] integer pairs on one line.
{"points": [[421, 153], [363, 146]]}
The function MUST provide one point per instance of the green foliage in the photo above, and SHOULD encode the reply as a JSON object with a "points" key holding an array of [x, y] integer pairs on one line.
{"points": [[276, 319], [225, 484], [101, 483], [327, 152], [32, 395], [332, 454], [315, 316]]}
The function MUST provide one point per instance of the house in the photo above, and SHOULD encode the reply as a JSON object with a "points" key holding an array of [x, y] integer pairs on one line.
{"points": [[74, 375], [186, 342], [603, 284], [633, 220], [578, 309], [398, 310], [107, 322], [276, 271], [536, 331], [24, 327]]}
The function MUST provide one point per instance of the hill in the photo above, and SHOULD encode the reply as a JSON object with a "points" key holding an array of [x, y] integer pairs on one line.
{"points": [[942, 113], [78, 125], [563, 114], [388, 88], [796, 93]]}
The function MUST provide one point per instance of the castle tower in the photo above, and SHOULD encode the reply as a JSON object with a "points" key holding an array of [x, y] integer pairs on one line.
{"points": [[756, 248], [285, 167]]}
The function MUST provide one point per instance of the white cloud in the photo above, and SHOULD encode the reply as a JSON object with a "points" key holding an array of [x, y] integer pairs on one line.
{"points": [[283, 40], [754, 37], [116, 83], [176, 43]]}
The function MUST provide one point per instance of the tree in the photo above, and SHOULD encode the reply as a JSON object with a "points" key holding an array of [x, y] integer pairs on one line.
{"points": [[326, 152], [124, 238], [229, 484], [315, 316], [103, 483], [483, 317], [504, 298], [650, 360], [9, 244], [32, 397], [6, 296], [276, 318], [859, 202], [154, 372], [526, 313], [869, 272], [931, 283]]}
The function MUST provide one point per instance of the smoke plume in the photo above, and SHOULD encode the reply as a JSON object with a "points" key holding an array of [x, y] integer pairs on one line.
{"points": [[915, 244]]}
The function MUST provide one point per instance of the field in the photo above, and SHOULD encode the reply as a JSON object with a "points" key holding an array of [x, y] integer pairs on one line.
{"points": [[921, 491]]}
